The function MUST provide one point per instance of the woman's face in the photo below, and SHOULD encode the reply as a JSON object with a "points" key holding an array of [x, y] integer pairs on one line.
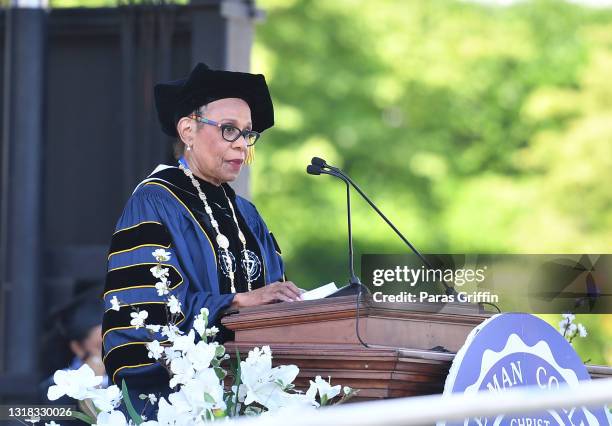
{"points": [[211, 157], [91, 345]]}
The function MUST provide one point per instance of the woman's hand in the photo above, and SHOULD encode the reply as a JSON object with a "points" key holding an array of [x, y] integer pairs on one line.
{"points": [[279, 291]]}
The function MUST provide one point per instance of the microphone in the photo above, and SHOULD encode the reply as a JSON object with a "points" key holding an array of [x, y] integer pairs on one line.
{"points": [[319, 162], [311, 169]]}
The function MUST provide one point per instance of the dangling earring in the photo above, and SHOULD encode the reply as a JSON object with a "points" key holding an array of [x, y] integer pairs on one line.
{"points": [[188, 147], [250, 156]]}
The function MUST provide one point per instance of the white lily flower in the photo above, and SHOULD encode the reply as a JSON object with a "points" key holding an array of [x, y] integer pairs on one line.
{"points": [[180, 403], [324, 388], [159, 272], [115, 304], [257, 364], [166, 414], [171, 354], [201, 355], [200, 321], [184, 343], [311, 393], [285, 374], [169, 415], [182, 371], [257, 355], [264, 384], [161, 255], [174, 304], [74, 383], [199, 325], [172, 332], [106, 399], [292, 401], [155, 349], [212, 331], [114, 418], [203, 392], [582, 332], [138, 318]]}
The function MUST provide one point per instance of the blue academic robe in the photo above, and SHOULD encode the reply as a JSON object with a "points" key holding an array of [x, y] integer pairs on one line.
{"points": [[165, 212]]}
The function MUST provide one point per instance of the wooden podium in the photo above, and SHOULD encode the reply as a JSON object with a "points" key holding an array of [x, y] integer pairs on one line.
{"points": [[409, 352], [407, 348]]}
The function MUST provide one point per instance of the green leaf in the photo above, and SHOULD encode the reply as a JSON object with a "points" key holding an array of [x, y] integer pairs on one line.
{"points": [[323, 400], [220, 351], [83, 417], [209, 415], [220, 373], [208, 398], [229, 402], [128, 404]]}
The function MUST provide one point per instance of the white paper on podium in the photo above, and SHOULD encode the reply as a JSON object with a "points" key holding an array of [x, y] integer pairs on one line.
{"points": [[320, 292]]}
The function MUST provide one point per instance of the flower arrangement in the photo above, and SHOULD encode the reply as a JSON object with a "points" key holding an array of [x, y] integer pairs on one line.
{"points": [[569, 329], [197, 376]]}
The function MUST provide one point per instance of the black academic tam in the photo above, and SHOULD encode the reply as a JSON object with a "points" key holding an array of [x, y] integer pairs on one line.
{"points": [[179, 98]]}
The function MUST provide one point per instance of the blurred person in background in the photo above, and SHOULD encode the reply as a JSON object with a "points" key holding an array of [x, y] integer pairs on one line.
{"points": [[76, 338]]}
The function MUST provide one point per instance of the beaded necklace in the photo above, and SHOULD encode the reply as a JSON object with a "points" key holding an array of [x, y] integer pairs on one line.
{"points": [[221, 239]]}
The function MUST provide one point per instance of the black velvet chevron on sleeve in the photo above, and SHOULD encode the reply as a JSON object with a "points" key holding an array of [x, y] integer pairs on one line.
{"points": [[138, 275], [140, 235], [128, 356]]}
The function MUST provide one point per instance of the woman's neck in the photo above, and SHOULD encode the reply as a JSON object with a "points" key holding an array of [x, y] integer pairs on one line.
{"points": [[192, 165]]}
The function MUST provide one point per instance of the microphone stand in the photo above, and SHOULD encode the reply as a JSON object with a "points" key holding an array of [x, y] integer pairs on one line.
{"points": [[354, 286]]}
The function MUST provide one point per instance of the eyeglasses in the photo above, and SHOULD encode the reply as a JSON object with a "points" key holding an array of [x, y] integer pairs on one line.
{"points": [[229, 132]]}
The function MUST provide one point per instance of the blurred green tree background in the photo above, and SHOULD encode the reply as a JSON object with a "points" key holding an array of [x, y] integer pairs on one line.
{"points": [[476, 128]]}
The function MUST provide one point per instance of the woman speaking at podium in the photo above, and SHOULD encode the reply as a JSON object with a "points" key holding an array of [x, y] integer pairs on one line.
{"points": [[215, 246]]}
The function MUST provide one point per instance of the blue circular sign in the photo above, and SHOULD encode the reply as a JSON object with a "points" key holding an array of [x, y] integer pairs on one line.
{"points": [[516, 349]]}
